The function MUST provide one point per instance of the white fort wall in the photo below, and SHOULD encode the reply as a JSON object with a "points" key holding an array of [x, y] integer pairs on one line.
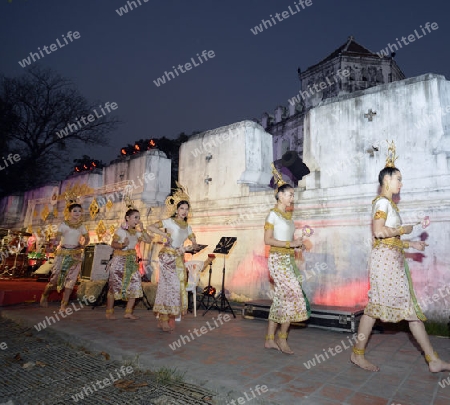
{"points": [[227, 170], [339, 151]]}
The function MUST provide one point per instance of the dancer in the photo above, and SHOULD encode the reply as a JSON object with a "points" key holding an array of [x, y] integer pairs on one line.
{"points": [[72, 236], [124, 277], [171, 297], [391, 294], [289, 302]]}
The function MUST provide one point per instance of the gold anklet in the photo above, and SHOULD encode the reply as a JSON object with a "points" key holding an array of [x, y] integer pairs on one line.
{"points": [[429, 359], [128, 311], [110, 311], [270, 337], [64, 303], [282, 335], [359, 352]]}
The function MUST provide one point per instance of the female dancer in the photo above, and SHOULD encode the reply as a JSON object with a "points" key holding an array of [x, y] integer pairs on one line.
{"points": [[289, 303], [68, 256], [171, 297], [391, 294], [124, 277]]}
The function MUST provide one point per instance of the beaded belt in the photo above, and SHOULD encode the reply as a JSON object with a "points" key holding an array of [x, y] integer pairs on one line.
{"points": [[68, 252], [286, 251], [394, 242], [128, 252]]}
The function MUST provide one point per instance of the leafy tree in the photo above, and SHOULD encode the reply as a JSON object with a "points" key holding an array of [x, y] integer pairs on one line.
{"points": [[34, 108]]}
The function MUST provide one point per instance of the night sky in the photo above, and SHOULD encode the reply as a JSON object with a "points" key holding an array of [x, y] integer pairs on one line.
{"points": [[118, 58]]}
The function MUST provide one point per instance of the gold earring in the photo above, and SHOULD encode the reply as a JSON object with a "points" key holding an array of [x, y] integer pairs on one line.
{"points": [[386, 187]]}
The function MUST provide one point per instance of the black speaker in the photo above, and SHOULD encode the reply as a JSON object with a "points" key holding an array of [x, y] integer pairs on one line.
{"points": [[86, 266]]}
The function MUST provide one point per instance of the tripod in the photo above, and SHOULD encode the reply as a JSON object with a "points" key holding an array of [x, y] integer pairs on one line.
{"points": [[224, 246]]}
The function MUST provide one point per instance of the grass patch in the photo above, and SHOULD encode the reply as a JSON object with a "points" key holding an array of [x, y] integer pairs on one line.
{"points": [[167, 376]]}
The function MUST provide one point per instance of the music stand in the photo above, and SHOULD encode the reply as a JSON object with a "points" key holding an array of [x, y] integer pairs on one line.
{"points": [[223, 247]]}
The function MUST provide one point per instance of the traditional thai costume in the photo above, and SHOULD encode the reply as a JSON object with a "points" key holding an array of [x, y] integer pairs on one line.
{"points": [[69, 256], [289, 302], [171, 296], [391, 294], [124, 276]]}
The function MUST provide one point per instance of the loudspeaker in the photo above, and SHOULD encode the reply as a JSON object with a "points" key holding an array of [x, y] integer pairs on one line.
{"points": [[96, 258], [86, 266]]}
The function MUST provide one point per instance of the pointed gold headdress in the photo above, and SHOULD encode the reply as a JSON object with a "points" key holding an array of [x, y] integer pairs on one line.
{"points": [[278, 178], [391, 155], [71, 198], [129, 203], [180, 194]]}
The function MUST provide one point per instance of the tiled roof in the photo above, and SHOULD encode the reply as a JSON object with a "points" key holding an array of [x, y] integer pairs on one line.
{"points": [[350, 48]]}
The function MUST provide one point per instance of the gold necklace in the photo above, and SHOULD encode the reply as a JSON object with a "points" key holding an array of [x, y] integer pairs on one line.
{"points": [[285, 215], [180, 222], [131, 231], [74, 225], [394, 205]]}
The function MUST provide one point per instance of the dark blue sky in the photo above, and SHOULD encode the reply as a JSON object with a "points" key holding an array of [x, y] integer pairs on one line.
{"points": [[117, 58]]}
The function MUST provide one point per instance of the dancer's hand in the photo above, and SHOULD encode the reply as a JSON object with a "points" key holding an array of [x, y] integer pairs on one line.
{"points": [[181, 250], [297, 243], [125, 242], [407, 229], [418, 245]]}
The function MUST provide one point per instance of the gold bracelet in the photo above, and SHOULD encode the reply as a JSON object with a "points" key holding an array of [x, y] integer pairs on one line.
{"points": [[402, 231], [405, 245], [287, 245]]}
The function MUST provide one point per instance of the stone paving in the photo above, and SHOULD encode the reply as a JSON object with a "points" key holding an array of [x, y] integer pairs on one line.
{"points": [[224, 360]]}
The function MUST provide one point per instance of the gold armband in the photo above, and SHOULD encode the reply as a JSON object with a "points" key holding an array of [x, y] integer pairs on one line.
{"points": [[405, 245], [287, 245]]}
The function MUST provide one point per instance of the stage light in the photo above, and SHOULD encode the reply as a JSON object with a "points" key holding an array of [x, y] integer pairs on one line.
{"points": [[123, 151], [137, 147]]}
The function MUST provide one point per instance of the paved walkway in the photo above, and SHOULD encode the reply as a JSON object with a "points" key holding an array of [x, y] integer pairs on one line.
{"points": [[226, 355]]}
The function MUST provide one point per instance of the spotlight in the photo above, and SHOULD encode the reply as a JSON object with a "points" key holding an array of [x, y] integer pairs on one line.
{"points": [[123, 151]]}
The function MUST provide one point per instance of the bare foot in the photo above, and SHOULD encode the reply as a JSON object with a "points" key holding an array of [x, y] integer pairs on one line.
{"points": [[284, 347], [166, 327], [130, 316], [43, 302], [110, 316], [172, 324], [270, 344], [438, 365], [360, 361]]}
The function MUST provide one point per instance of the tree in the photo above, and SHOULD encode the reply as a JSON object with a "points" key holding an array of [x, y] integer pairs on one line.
{"points": [[42, 117]]}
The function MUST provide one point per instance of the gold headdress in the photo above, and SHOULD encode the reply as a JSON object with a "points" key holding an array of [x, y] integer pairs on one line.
{"points": [[391, 155], [71, 198], [180, 194], [129, 203], [278, 178]]}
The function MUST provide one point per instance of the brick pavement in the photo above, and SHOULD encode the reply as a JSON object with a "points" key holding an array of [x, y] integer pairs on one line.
{"points": [[227, 356]]}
